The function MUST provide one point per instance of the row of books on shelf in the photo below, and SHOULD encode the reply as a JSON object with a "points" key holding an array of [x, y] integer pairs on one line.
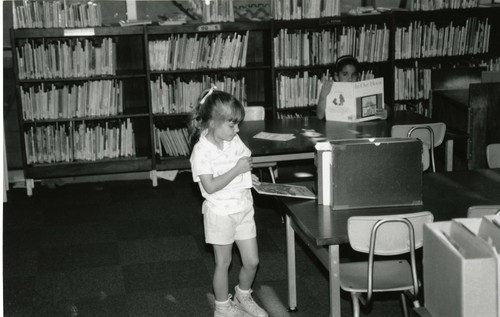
{"points": [[412, 83], [419, 107], [56, 14], [493, 64], [303, 89], [298, 91], [217, 11], [304, 9], [368, 43], [88, 99], [180, 97], [193, 52], [67, 143], [171, 142], [292, 115], [66, 59], [429, 40], [429, 5]]}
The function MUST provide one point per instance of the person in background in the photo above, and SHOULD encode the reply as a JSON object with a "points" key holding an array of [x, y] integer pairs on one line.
{"points": [[222, 164], [346, 70]]}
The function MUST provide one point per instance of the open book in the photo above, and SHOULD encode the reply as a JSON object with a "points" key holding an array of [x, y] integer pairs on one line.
{"points": [[355, 101], [285, 190]]}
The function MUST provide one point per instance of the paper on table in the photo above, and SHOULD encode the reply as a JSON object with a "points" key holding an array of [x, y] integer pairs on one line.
{"points": [[274, 136]]}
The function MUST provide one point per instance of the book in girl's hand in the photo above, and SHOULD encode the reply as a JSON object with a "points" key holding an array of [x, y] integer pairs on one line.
{"points": [[356, 101], [285, 190]]}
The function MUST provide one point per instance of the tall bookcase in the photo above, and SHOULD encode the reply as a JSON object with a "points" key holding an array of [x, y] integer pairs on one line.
{"points": [[185, 60], [440, 39], [83, 101], [305, 51], [100, 100]]}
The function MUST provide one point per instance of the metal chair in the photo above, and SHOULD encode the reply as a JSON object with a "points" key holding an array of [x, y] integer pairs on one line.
{"points": [[256, 113], [387, 235], [479, 211], [493, 155], [431, 135]]}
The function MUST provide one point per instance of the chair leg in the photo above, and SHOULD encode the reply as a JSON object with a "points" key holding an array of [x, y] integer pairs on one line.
{"points": [[272, 174], [403, 304], [355, 304]]}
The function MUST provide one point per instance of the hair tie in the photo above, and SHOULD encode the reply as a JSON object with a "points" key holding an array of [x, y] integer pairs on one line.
{"points": [[210, 91]]}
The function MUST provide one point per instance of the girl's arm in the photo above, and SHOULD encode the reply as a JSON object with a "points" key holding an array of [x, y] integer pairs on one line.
{"points": [[213, 184], [325, 90]]}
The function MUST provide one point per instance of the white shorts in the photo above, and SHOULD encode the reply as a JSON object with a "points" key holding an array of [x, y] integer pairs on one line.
{"points": [[225, 229]]}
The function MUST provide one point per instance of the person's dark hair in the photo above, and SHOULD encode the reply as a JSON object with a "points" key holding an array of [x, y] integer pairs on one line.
{"points": [[214, 105], [344, 60]]}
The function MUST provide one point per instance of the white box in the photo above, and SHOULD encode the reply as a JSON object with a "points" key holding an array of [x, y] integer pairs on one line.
{"points": [[460, 272]]}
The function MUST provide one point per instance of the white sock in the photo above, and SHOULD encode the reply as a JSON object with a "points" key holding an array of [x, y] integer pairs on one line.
{"points": [[242, 291], [222, 303]]}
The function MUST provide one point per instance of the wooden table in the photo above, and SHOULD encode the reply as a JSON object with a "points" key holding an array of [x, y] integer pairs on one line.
{"points": [[302, 147], [447, 195]]}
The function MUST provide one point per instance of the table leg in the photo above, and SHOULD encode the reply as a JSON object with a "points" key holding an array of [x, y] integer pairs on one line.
{"points": [[449, 155], [334, 280], [290, 258]]}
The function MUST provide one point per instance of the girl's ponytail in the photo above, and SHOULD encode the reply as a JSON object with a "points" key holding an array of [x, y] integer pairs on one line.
{"points": [[199, 116]]}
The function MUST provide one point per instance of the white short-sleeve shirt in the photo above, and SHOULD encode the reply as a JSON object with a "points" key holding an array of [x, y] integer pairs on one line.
{"points": [[207, 158]]}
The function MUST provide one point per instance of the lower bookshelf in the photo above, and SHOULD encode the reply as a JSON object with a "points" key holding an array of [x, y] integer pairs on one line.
{"points": [[111, 166]]}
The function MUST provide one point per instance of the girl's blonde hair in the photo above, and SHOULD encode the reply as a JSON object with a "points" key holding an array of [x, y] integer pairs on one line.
{"points": [[214, 105]]}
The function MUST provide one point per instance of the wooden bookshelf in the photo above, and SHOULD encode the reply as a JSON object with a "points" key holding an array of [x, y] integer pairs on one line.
{"points": [[255, 61], [440, 39], [304, 53], [82, 95]]}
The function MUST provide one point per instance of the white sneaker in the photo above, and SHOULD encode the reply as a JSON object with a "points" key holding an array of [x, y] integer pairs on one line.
{"points": [[246, 303], [229, 309]]}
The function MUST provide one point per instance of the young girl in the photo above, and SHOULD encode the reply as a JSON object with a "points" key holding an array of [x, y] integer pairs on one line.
{"points": [[345, 70], [221, 163]]}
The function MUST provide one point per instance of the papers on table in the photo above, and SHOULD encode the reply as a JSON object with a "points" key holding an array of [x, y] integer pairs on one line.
{"points": [[274, 136]]}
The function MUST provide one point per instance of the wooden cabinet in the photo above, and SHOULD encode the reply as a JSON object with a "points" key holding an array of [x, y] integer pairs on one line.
{"points": [[472, 118]]}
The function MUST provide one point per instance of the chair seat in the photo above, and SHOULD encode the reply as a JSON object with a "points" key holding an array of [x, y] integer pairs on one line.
{"points": [[393, 275], [493, 155]]}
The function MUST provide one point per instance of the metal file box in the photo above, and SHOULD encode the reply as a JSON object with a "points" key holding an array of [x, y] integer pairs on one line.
{"points": [[375, 172]]}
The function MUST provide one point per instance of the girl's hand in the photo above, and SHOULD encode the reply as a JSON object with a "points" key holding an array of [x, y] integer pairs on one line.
{"points": [[326, 88], [382, 113], [244, 165], [255, 180]]}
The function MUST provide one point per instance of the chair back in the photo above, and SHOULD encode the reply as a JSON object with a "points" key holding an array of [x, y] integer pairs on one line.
{"points": [[483, 210], [493, 155], [388, 234], [254, 113], [431, 135], [422, 131]]}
